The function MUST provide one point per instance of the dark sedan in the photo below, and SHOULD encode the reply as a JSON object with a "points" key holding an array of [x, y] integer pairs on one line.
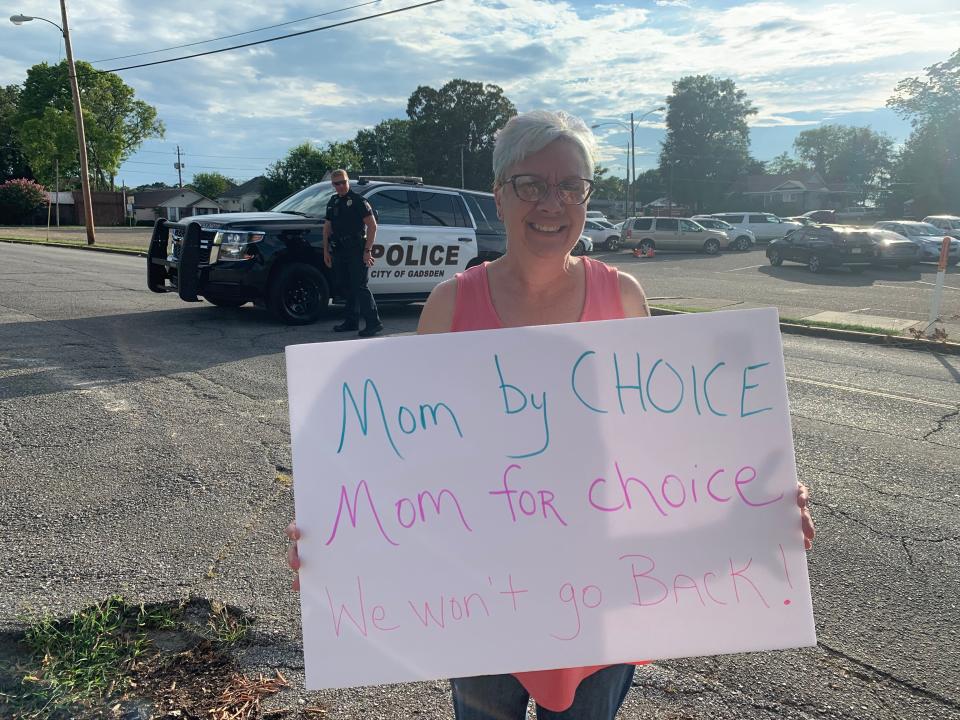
{"points": [[822, 246], [893, 249]]}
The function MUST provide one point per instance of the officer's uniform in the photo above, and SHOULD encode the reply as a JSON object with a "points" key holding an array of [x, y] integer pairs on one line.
{"points": [[348, 236]]}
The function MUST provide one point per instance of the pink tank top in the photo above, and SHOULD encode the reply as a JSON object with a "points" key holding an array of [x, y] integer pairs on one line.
{"points": [[473, 310]]}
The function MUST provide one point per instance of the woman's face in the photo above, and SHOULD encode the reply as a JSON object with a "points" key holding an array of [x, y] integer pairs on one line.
{"points": [[548, 227]]}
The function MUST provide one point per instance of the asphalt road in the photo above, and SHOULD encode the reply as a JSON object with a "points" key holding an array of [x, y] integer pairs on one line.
{"points": [[141, 439]]}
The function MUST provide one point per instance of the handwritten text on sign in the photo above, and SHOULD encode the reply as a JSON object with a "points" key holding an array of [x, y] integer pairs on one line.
{"points": [[535, 498]]}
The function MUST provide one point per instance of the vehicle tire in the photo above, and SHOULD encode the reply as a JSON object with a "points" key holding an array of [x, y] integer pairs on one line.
{"points": [[775, 258], [298, 294], [646, 246], [613, 243], [579, 249], [814, 263], [711, 246], [742, 243], [225, 301]]}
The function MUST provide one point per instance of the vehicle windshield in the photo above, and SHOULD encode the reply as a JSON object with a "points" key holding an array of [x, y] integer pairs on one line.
{"points": [[922, 229], [309, 201]]}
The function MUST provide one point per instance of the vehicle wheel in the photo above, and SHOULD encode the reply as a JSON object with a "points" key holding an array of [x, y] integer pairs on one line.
{"points": [[579, 249], [613, 242], [814, 263], [711, 246], [646, 246], [775, 258], [224, 301], [743, 243], [298, 294], [856, 269]]}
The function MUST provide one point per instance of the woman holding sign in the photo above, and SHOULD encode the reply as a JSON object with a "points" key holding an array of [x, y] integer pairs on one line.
{"points": [[543, 165]]}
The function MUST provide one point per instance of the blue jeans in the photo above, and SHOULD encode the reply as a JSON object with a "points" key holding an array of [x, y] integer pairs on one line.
{"points": [[502, 697]]}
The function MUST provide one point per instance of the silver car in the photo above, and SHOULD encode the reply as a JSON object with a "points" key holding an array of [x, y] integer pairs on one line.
{"points": [[602, 236], [949, 224], [670, 233], [743, 238], [927, 237]]}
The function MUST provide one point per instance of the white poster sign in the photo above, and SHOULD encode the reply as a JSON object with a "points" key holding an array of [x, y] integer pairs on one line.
{"points": [[545, 497]]}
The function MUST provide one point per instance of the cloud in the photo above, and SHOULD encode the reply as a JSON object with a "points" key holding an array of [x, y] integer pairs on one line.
{"points": [[798, 61]]}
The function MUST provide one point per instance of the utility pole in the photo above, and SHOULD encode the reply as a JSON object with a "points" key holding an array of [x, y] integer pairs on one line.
{"points": [[633, 163], [462, 182], [179, 166], [81, 136], [56, 163]]}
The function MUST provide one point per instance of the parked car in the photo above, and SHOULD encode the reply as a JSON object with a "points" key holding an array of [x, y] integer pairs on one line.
{"points": [[893, 249], [820, 216], [619, 226], [663, 233], [584, 246], [950, 224], [822, 246], [765, 226], [742, 239], [927, 237], [804, 220], [601, 235], [596, 215]]}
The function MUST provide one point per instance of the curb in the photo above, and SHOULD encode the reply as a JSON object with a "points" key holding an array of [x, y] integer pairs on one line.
{"points": [[89, 248], [908, 343]]}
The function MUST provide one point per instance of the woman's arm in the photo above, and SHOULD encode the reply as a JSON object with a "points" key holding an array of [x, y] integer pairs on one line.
{"points": [[437, 315], [632, 296]]}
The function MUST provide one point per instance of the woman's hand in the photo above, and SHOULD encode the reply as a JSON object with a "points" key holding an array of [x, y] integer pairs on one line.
{"points": [[806, 521], [293, 557]]}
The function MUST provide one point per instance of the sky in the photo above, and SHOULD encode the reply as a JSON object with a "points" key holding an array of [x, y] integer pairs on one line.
{"points": [[802, 63]]}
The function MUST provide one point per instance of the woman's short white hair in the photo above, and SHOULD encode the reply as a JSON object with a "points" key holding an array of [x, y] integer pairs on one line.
{"points": [[525, 134]]}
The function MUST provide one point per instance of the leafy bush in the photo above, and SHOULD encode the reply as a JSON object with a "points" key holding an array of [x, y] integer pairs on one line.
{"points": [[19, 198]]}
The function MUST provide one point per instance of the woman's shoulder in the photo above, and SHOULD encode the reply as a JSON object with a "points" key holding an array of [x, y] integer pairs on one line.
{"points": [[437, 314], [632, 296]]}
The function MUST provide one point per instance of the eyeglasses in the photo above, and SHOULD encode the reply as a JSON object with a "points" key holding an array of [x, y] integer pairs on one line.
{"points": [[339, 182], [531, 188]]}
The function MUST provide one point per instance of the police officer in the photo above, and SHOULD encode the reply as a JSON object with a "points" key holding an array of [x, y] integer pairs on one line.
{"points": [[352, 228]]}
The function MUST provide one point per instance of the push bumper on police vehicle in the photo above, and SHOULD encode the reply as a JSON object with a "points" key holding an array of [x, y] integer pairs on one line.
{"points": [[192, 259]]}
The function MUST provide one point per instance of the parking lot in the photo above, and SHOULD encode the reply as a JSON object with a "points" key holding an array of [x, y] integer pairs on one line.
{"points": [[746, 279]]}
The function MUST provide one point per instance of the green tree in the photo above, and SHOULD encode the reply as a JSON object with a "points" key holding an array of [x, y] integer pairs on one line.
{"points": [[927, 171], [211, 184], [305, 165], [19, 198], [649, 186], [841, 154], [460, 115], [13, 163], [387, 149], [783, 164], [116, 123], [708, 140]]}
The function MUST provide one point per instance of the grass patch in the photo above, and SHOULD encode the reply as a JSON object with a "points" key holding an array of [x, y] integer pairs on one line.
{"points": [[798, 321], [82, 244], [115, 652], [841, 326], [680, 308]]}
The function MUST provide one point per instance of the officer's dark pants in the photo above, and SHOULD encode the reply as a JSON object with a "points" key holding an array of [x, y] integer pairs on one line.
{"points": [[351, 275]]}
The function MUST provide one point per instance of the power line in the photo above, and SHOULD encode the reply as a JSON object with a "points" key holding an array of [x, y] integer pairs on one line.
{"points": [[279, 37], [228, 157], [246, 32]]}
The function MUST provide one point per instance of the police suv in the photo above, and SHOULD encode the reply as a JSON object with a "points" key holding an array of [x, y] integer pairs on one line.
{"points": [[425, 234]]}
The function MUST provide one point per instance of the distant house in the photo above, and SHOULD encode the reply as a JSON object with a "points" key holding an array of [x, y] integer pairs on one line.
{"points": [[172, 204], [240, 198], [799, 191]]}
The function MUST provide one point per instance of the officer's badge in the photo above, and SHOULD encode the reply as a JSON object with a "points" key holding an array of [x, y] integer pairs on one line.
{"points": [[349, 202]]}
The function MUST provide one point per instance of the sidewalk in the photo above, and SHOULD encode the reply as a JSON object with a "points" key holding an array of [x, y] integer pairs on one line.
{"points": [[855, 322]]}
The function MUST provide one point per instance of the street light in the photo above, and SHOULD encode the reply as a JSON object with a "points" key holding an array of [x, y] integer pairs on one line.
{"points": [[633, 150], [77, 112]]}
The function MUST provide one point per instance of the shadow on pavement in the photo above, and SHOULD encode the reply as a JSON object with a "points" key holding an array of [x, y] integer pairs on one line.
{"points": [[42, 357]]}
